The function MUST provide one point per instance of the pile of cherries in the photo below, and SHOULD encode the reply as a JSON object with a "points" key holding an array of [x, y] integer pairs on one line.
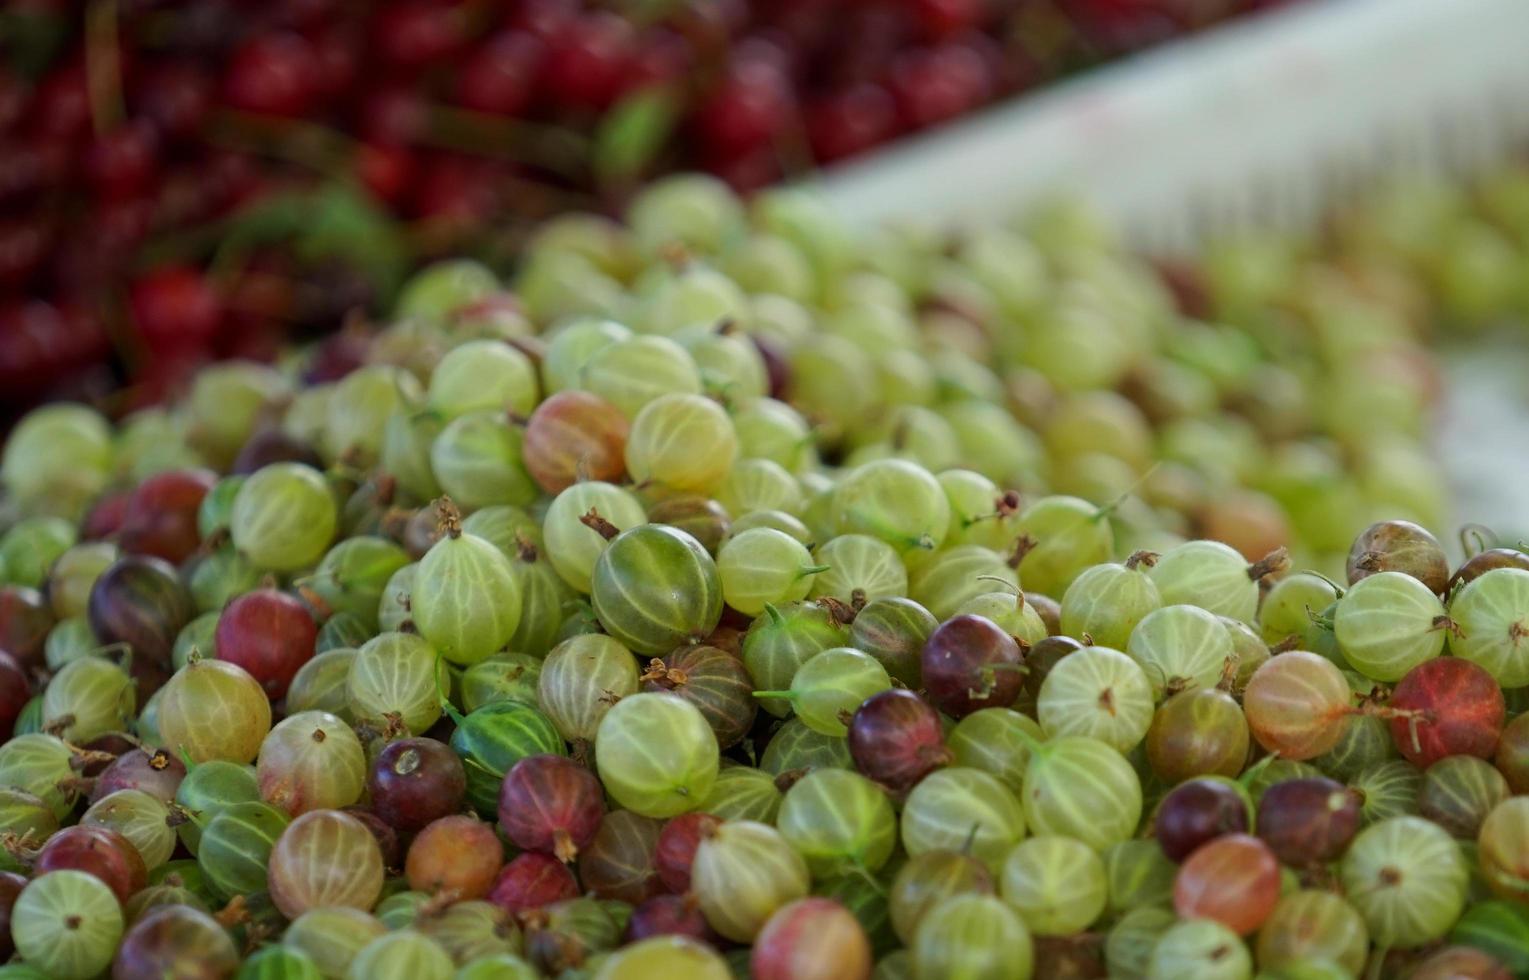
{"points": [[138, 136]]}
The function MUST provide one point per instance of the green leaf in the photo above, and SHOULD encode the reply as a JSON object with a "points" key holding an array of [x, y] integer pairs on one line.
{"points": [[633, 132]]}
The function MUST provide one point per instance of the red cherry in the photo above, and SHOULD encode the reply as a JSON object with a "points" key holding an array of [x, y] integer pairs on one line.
{"points": [[661, 56], [413, 34], [394, 114], [24, 243], [176, 309], [28, 168], [587, 59], [543, 18], [746, 111], [30, 340], [1449, 706], [748, 173], [499, 75], [61, 104], [456, 189], [936, 84], [850, 122], [175, 96], [273, 74], [387, 171], [337, 51], [940, 19], [122, 163], [880, 32], [14, 95]]}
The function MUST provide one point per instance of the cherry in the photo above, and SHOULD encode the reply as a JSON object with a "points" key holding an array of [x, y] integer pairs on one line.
{"points": [[24, 243], [747, 110], [499, 76], [337, 51], [121, 164], [27, 168], [932, 85], [413, 34], [386, 170], [174, 96], [394, 114], [543, 18], [850, 121], [61, 104], [273, 74], [750, 172], [941, 19], [586, 60], [456, 189], [662, 56], [14, 94], [176, 310]]}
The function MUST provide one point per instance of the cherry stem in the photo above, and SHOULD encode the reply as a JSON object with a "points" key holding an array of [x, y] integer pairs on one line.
{"points": [[103, 66]]}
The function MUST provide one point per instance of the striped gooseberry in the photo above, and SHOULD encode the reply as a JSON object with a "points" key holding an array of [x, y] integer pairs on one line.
{"points": [[838, 821], [655, 588], [325, 859], [465, 599], [1081, 787], [959, 809], [743, 872], [656, 754]]}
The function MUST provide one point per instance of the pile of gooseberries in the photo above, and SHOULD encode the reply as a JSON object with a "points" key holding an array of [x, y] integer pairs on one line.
{"points": [[731, 634]]}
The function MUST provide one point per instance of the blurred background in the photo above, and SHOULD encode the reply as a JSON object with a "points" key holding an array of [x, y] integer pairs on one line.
{"points": [[185, 180]]}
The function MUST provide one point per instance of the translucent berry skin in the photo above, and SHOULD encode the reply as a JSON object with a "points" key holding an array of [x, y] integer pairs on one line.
{"points": [[1512, 757], [175, 941], [415, 781], [160, 516], [270, 634], [1308, 821], [1234, 880], [1446, 706], [811, 939], [969, 663], [575, 435], [550, 804], [11, 885], [1399, 546], [619, 863], [669, 915], [14, 692], [531, 881], [456, 855], [97, 851], [140, 601], [1197, 812], [677, 844], [896, 738]]}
